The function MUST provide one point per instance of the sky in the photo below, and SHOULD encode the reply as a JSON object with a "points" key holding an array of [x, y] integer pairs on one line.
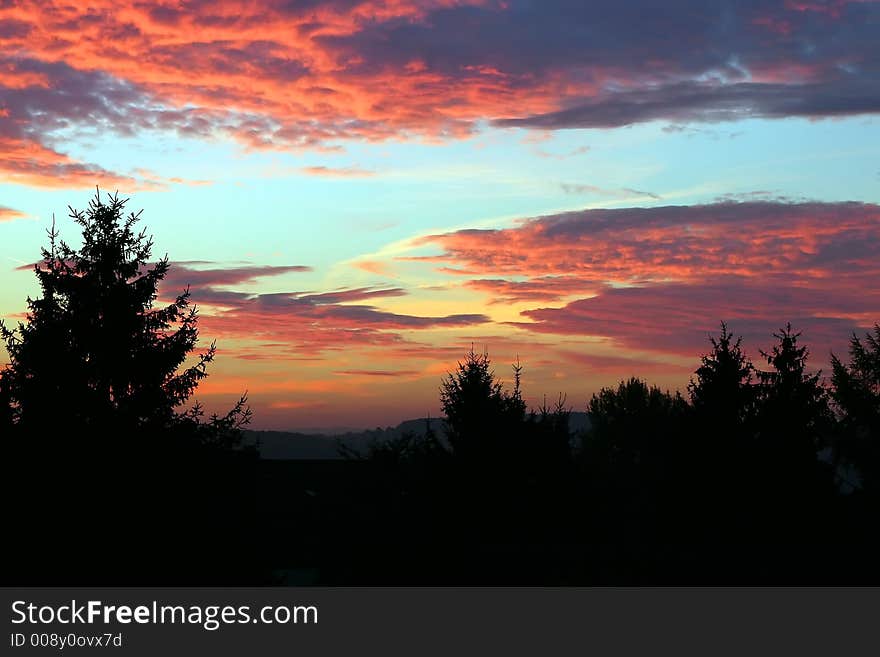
{"points": [[359, 191]]}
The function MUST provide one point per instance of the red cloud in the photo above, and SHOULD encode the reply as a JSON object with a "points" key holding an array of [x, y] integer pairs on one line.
{"points": [[661, 278], [292, 75], [671, 243], [621, 366], [541, 288], [676, 318]]}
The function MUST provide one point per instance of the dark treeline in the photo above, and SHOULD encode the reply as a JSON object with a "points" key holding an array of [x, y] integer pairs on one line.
{"points": [[760, 473]]}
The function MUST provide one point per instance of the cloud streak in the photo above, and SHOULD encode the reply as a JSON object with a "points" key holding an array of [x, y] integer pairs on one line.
{"points": [[331, 172], [182, 275], [713, 102], [298, 323], [623, 192], [8, 214]]}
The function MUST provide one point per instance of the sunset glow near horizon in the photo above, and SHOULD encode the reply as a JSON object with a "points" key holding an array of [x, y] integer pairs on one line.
{"points": [[359, 191]]}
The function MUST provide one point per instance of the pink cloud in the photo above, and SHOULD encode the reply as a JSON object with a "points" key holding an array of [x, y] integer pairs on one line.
{"points": [[677, 318], [630, 245], [330, 172], [660, 279], [541, 288]]}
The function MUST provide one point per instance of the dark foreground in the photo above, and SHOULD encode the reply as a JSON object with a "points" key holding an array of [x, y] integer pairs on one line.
{"points": [[349, 522]]}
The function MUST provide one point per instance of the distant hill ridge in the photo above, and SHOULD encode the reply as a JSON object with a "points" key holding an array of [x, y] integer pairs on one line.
{"points": [[294, 445]]}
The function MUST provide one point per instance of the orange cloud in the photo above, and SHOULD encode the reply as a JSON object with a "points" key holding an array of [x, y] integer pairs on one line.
{"points": [[308, 75], [8, 214], [29, 163], [373, 267]]}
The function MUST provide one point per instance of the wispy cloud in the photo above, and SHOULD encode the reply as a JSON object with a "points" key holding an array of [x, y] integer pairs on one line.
{"points": [[374, 267], [8, 214], [341, 172], [181, 275], [306, 323], [378, 373], [621, 192]]}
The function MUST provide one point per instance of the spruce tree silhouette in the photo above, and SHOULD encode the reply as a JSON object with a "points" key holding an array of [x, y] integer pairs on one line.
{"points": [[487, 427], [856, 394], [476, 406], [721, 449], [794, 417], [722, 390], [94, 353], [94, 387], [793, 422]]}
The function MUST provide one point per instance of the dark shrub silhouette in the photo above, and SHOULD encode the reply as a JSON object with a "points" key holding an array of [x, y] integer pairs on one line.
{"points": [[631, 465], [548, 445], [474, 504], [5, 409], [93, 393], [632, 430]]}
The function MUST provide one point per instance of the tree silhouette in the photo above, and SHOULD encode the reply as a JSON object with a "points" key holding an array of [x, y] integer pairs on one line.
{"points": [[5, 407], [477, 408], [632, 429], [727, 488], [856, 394], [793, 422], [720, 450], [93, 391], [549, 437], [630, 458], [794, 416], [94, 352], [722, 390]]}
